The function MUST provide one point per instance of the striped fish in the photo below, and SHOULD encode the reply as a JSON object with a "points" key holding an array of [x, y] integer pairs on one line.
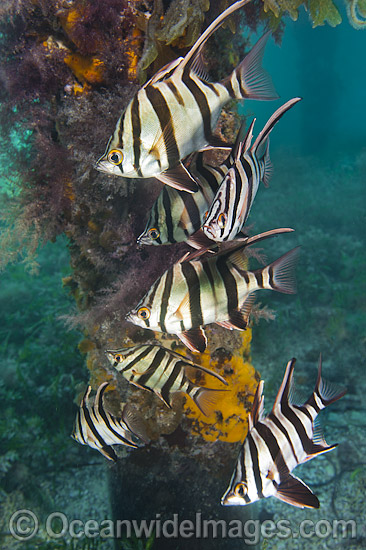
{"points": [[176, 111], [277, 443], [232, 203], [218, 289], [176, 215], [96, 427], [162, 371]]}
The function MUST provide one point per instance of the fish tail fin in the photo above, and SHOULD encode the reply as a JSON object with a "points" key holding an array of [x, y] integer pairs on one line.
{"points": [[249, 80], [325, 392], [280, 273], [206, 399]]}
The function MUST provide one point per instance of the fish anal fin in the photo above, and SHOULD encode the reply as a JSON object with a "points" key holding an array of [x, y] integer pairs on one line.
{"points": [[108, 452], [179, 178], [225, 324], [237, 320], [195, 339], [294, 491]]}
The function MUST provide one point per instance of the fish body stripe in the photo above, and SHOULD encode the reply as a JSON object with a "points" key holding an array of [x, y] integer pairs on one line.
{"points": [[193, 285], [136, 134], [230, 286], [175, 92], [161, 108], [168, 216], [255, 465]]}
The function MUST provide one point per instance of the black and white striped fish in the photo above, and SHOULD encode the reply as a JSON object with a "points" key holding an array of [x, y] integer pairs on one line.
{"points": [[96, 427], [277, 443], [176, 215], [232, 203], [175, 113], [218, 289], [163, 371]]}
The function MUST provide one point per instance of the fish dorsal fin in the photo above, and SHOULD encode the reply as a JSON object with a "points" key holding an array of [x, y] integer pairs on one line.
{"points": [[195, 339], [85, 397], [163, 72], [257, 412], [194, 52], [239, 258], [260, 144], [99, 396], [284, 391], [198, 67], [294, 491], [242, 143], [179, 178]]}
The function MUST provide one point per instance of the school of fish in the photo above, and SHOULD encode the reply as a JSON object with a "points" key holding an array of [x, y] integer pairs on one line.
{"points": [[163, 133]]}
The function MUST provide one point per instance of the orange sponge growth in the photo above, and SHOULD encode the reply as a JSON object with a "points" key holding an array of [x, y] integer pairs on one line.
{"points": [[229, 418]]}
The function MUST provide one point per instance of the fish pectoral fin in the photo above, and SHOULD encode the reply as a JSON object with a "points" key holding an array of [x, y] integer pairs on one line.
{"points": [[195, 339], [206, 399], [179, 178], [200, 241], [135, 424], [294, 491]]}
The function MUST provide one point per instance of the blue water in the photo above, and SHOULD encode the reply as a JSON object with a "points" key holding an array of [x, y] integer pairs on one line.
{"points": [[325, 66]]}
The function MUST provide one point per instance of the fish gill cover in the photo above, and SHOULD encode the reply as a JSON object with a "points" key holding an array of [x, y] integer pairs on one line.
{"points": [[68, 71]]}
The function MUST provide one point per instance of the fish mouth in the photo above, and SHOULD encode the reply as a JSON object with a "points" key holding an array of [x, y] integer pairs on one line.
{"points": [[231, 499], [209, 231], [143, 239]]}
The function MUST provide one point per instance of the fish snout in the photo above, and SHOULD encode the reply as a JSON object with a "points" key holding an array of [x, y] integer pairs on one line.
{"points": [[210, 230]]}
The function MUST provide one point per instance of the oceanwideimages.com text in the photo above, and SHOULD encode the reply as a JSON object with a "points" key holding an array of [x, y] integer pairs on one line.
{"points": [[25, 525]]}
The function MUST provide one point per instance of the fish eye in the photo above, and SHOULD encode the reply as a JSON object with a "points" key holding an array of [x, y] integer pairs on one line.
{"points": [[154, 233], [221, 220], [241, 489], [118, 358], [115, 157], [143, 313]]}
